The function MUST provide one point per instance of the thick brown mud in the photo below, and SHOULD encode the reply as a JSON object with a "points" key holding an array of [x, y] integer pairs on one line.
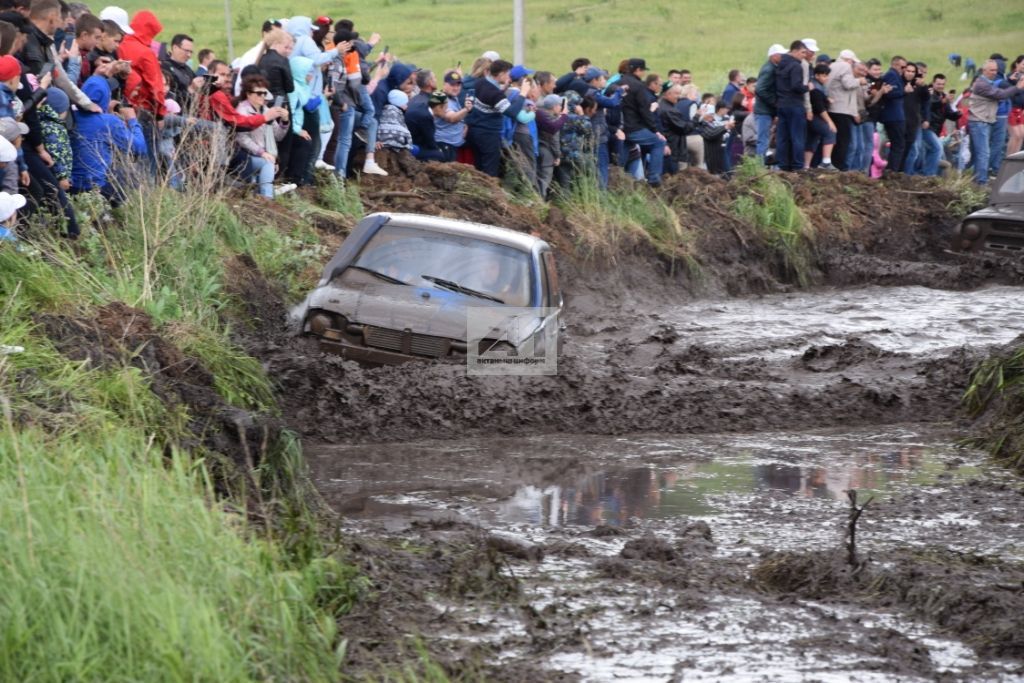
{"points": [[504, 540]]}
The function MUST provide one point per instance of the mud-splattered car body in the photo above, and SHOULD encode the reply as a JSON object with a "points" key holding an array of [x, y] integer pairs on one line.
{"points": [[1000, 225], [401, 285]]}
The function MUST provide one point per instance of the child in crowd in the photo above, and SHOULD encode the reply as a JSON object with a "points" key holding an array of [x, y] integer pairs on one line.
{"points": [[53, 118], [9, 205], [8, 167], [393, 132], [820, 129], [551, 118], [10, 82]]}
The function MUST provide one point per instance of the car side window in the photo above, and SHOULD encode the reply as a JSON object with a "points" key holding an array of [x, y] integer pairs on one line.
{"points": [[551, 278], [1013, 185]]}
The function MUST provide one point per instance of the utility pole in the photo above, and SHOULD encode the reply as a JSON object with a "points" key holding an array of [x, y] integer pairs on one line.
{"points": [[518, 34], [227, 21]]}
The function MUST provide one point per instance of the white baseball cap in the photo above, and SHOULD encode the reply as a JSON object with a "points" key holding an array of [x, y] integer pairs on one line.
{"points": [[491, 55], [811, 44], [119, 17], [848, 54], [9, 203], [776, 49], [8, 152]]}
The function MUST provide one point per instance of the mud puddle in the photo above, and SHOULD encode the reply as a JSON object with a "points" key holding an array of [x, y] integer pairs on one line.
{"points": [[634, 553]]}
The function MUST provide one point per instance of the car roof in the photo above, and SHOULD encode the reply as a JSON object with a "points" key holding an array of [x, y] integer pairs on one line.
{"points": [[454, 226]]}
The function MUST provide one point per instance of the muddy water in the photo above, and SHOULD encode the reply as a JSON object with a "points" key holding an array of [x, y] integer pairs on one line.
{"points": [[914, 320], [628, 584]]}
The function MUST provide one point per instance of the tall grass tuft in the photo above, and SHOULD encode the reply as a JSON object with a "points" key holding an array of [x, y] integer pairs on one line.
{"points": [[612, 221], [768, 203], [968, 195], [997, 387]]}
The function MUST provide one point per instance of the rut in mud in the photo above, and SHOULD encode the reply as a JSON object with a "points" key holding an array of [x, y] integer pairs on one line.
{"points": [[723, 585]]}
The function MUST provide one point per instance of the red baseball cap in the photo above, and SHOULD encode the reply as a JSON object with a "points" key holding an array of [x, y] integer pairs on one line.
{"points": [[324, 21]]}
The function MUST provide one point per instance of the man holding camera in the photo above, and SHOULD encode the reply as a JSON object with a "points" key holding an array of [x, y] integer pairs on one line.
{"points": [[939, 110], [982, 111]]}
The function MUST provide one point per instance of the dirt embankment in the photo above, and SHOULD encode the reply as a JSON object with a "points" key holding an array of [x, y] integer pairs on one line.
{"points": [[119, 334]]}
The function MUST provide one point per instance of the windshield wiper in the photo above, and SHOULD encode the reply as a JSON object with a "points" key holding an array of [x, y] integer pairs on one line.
{"points": [[456, 287], [382, 276]]}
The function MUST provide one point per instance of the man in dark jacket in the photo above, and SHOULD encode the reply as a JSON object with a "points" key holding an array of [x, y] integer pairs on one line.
{"points": [[180, 74], [44, 19], [638, 120], [938, 111], [894, 118], [790, 88], [915, 104], [766, 97], [574, 79], [419, 119], [676, 126]]}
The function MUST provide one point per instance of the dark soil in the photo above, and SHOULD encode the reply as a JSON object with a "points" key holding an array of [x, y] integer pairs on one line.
{"points": [[118, 334]]}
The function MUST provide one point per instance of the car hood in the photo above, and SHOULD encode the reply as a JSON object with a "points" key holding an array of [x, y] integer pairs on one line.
{"points": [[1005, 212], [423, 310]]}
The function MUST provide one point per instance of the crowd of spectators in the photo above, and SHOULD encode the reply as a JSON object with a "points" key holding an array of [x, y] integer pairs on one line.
{"points": [[88, 98]]}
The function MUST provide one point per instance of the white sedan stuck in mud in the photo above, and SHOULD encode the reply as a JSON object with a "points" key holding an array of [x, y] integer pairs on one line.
{"points": [[410, 287]]}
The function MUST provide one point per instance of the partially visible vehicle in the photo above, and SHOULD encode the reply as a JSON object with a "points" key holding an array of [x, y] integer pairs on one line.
{"points": [[1000, 225], [401, 286]]}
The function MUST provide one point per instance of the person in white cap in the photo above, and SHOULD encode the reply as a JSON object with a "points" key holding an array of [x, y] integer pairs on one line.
{"points": [[9, 205], [842, 89], [8, 168], [765, 98], [810, 49], [119, 17]]}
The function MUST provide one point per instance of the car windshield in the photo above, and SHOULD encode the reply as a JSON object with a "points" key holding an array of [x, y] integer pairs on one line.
{"points": [[474, 267], [1011, 189]]}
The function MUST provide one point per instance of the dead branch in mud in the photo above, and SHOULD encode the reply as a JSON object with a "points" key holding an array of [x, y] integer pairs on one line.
{"points": [[851, 528]]}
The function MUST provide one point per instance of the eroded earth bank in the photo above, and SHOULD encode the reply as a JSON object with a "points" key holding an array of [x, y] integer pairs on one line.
{"points": [[673, 505]]}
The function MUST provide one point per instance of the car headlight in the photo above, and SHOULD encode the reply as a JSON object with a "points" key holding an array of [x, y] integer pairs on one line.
{"points": [[320, 322], [971, 230]]}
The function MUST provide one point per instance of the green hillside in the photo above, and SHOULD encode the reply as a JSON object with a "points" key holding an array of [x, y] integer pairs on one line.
{"points": [[708, 38]]}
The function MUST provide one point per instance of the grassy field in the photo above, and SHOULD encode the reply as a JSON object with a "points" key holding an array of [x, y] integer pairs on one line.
{"points": [[708, 38]]}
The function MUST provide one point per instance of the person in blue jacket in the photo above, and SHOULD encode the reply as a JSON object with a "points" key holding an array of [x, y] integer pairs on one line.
{"points": [[97, 136], [894, 118], [790, 88], [485, 121]]}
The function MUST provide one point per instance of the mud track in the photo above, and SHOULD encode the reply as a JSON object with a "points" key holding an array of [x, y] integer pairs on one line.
{"points": [[512, 604]]}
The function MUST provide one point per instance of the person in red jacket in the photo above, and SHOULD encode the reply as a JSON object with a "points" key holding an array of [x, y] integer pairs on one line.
{"points": [[146, 89], [219, 107]]}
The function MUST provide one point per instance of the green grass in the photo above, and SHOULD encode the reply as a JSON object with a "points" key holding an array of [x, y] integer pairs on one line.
{"points": [[117, 567], [768, 203], [120, 564], [707, 38]]}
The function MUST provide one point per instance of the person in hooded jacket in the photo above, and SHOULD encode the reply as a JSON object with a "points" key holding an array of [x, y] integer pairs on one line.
{"points": [[96, 137], [301, 28], [305, 106], [145, 88]]}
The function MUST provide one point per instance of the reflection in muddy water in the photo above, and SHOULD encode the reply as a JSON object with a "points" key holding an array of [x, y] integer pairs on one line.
{"points": [[587, 481]]}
